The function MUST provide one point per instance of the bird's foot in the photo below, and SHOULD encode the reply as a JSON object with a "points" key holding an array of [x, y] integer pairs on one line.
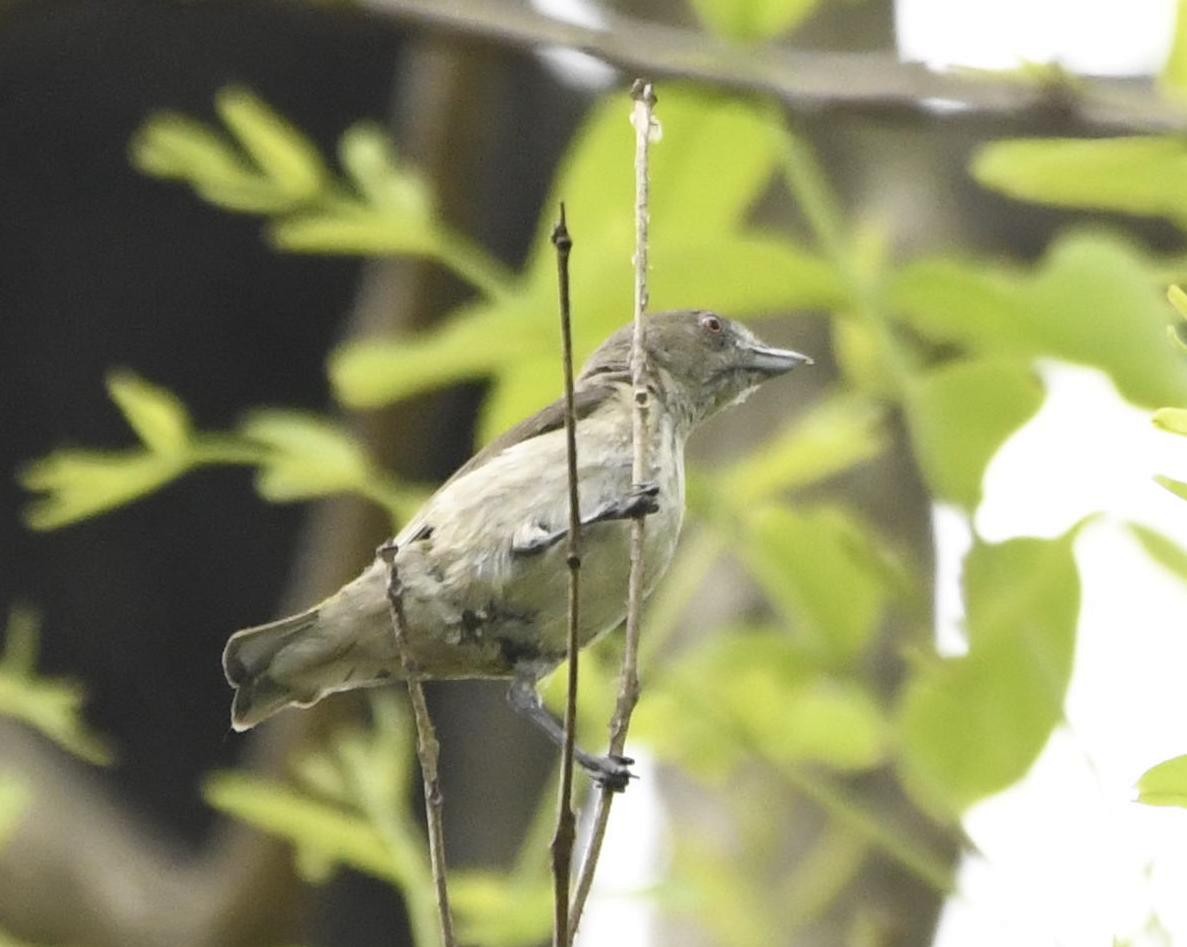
{"points": [[610, 772], [641, 500]]}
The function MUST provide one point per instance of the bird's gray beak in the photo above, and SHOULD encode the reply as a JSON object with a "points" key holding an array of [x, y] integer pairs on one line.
{"points": [[771, 362]]}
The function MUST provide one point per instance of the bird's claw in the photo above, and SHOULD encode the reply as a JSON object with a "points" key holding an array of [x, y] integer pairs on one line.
{"points": [[610, 772], [642, 500]]}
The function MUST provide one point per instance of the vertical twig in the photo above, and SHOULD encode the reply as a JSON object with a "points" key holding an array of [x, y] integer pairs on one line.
{"points": [[628, 691], [566, 828], [427, 746]]}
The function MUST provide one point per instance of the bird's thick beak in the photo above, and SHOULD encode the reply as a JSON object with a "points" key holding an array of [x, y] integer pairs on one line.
{"points": [[771, 362]]}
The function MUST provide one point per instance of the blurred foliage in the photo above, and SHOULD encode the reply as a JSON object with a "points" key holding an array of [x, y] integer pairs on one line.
{"points": [[955, 444], [349, 804], [971, 726], [53, 707], [512, 340], [1146, 177], [785, 702], [14, 801], [751, 20], [1162, 549], [1165, 784], [1143, 177], [298, 456], [1174, 74]]}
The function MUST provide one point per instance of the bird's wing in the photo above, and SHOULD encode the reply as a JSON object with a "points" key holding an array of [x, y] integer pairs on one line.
{"points": [[586, 400]]}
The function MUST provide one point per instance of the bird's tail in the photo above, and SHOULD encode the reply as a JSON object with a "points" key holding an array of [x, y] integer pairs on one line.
{"points": [[250, 663]]}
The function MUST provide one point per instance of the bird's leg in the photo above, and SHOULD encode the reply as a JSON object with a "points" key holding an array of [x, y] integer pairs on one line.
{"points": [[613, 772], [640, 501]]}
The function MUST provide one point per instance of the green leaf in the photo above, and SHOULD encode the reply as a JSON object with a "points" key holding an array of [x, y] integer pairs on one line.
{"points": [[861, 357], [1177, 487], [1173, 79], [308, 456], [960, 414], [756, 692], [51, 706], [254, 196], [1165, 784], [367, 155], [79, 484], [972, 726], [7, 940], [175, 147], [15, 797], [287, 171], [836, 435], [157, 416], [1093, 301], [501, 911], [1163, 550], [1146, 176], [825, 570], [355, 229], [170, 145], [474, 343], [1177, 298], [1172, 419], [287, 157], [751, 20], [336, 834]]}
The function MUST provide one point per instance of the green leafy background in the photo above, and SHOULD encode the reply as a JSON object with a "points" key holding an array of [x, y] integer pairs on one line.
{"points": [[937, 352]]}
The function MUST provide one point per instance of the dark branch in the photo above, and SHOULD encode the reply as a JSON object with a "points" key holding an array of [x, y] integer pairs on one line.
{"points": [[566, 823], [803, 80]]}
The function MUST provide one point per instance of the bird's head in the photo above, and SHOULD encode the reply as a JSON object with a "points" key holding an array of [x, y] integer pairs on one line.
{"points": [[702, 362]]}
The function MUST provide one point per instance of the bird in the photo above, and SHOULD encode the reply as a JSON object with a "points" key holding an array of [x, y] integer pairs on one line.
{"points": [[482, 566]]}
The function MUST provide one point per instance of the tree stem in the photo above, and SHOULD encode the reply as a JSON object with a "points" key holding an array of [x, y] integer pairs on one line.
{"points": [[566, 823], [427, 747], [628, 692]]}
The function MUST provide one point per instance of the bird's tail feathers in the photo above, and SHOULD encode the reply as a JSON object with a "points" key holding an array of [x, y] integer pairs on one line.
{"points": [[248, 661]]}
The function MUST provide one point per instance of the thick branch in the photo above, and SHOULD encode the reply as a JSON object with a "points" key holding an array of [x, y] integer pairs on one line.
{"points": [[875, 82]]}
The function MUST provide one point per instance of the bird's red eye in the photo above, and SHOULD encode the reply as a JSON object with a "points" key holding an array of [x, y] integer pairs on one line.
{"points": [[711, 324]]}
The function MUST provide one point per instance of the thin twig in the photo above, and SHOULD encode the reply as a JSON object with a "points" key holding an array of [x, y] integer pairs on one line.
{"points": [[427, 747], [628, 692], [873, 83], [566, 823]]}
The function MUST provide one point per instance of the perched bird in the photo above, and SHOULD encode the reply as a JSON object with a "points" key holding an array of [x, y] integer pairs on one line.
{"points": [[483, 564]]}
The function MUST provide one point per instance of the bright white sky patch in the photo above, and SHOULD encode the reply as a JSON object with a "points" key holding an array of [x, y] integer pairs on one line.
{"points": [[1099, 37]]}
